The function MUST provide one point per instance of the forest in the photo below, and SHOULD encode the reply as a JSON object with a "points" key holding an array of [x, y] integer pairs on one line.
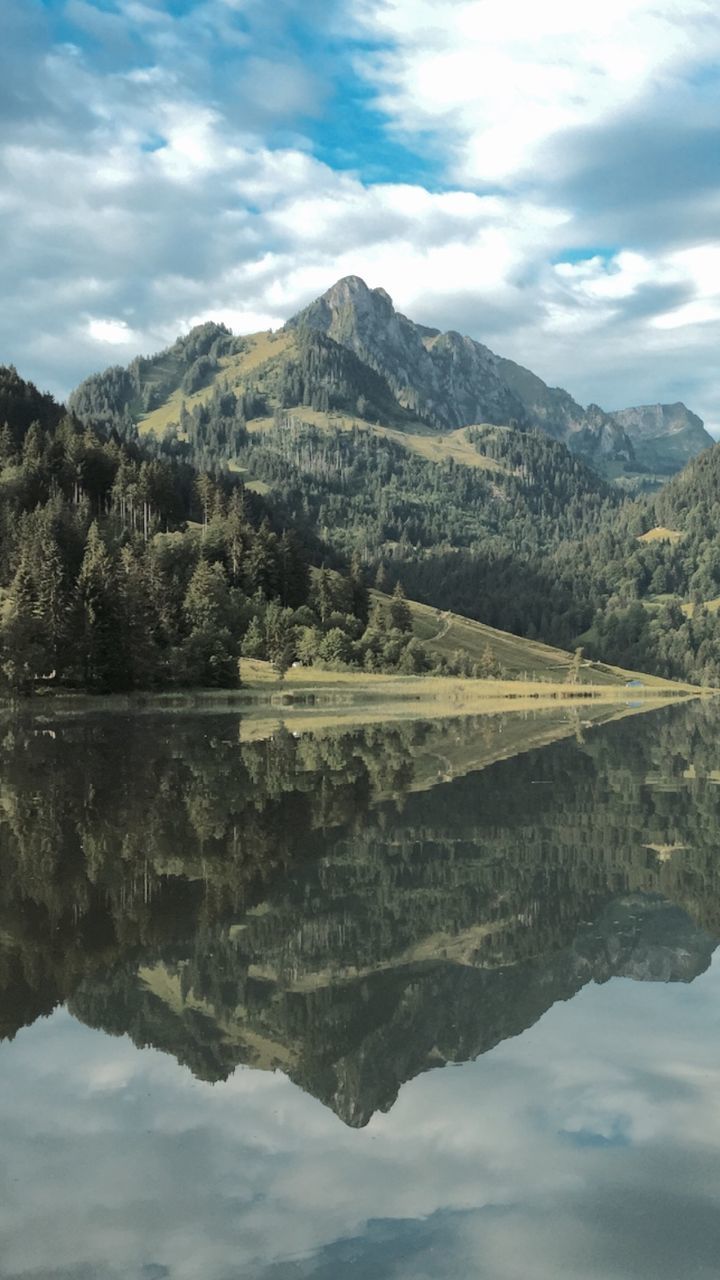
{"points": [[255, 523], [121, 570], [537, 544]]}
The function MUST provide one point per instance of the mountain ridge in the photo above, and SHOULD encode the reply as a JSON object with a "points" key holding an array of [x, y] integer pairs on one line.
{"points": [[664, 435], [350, 350], [450, 379]]}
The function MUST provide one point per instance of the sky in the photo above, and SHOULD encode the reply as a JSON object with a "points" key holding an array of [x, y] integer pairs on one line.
{"points": [[544, 177]]}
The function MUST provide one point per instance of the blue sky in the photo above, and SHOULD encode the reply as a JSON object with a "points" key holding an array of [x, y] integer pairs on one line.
{"points": [[544, 177]]}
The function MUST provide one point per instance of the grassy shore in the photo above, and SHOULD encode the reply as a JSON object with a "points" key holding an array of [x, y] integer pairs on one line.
{"points": [[260, 682], [312, 690]]}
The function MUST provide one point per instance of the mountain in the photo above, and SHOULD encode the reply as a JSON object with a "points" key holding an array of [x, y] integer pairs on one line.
{"points": [[352, 1041], [451, 381], [664, 436], [445, 467], [351, 352], [21, 404]]}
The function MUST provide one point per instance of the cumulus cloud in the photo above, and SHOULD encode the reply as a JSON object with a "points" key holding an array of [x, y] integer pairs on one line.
{"points": [[164, 170], [503, 76]]}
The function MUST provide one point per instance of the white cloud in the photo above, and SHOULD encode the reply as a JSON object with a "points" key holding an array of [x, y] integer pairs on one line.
{"points": [[142, 198], [112, 332], [500, 77]]}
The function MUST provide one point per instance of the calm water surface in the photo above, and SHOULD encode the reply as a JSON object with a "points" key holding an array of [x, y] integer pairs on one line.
{"points": [[432, 1001]]}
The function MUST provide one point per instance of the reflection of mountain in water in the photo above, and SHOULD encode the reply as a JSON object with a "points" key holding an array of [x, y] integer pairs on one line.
{"points": [[267, 903]]}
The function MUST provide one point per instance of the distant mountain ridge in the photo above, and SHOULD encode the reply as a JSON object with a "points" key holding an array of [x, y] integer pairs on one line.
{"points": [[351, 351], [452, 381], [664, 436]]}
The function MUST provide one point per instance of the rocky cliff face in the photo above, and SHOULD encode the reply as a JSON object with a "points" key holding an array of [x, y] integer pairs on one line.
{"points": [[452, 381], [664, 436]]}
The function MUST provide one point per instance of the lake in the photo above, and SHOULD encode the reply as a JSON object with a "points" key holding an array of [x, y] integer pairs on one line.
{"points": [[432, 1000]]}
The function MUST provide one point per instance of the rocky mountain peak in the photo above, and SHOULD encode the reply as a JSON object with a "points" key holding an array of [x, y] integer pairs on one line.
{"points": [[665, 436], [449, 380], [348, 305]]}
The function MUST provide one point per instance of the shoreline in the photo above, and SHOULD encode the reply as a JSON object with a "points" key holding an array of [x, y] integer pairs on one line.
{"points": [[308, 693]]}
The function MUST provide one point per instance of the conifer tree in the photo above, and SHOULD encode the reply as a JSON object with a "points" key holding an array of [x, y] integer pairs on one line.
{"points": [[360, 593], [488, 667], [253, 643], [209, 653], [25, 650], [103, 662], [400, 615], [261, 564]]}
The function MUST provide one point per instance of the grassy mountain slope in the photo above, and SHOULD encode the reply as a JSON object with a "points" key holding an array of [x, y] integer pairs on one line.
{"points": [[236, 371], [360, 427], [350, 350], [445, 634], [433, 446], [518, 664]]}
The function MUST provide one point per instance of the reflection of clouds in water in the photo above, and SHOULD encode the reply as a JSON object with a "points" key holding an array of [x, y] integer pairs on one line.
{"points": [[588, 1147]]}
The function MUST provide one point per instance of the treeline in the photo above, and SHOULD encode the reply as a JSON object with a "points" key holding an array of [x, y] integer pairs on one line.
{"points": [[117, 397], [475, 540], [650, 597], [121, 571]]}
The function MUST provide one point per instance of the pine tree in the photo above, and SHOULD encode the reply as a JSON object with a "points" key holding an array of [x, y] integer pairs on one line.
{"points": [[253, 643], [103, 662], [141, 625], [206, 493], [25, 650], [400, 615], [321, 595], [206, 600], [293, 574], [279, 637], [238, 535], [488, 666], [209, 652], [261, 564], [360, 593]]}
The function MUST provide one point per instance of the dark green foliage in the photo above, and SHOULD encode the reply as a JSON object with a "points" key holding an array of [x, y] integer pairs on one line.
{"points": [[326, 376], [400, 615], [21, 404], [125, 571], [482, 543], [99, 604], [542, 547], [117, 397], [199, 374]]}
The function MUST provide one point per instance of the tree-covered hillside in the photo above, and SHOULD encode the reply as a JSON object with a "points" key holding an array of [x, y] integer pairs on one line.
{"points": [[350, 350], [122, 570], [503, 524], [653, 574]]}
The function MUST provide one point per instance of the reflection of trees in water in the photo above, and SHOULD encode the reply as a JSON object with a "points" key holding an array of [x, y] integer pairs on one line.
{"points": [[272, 902]]}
